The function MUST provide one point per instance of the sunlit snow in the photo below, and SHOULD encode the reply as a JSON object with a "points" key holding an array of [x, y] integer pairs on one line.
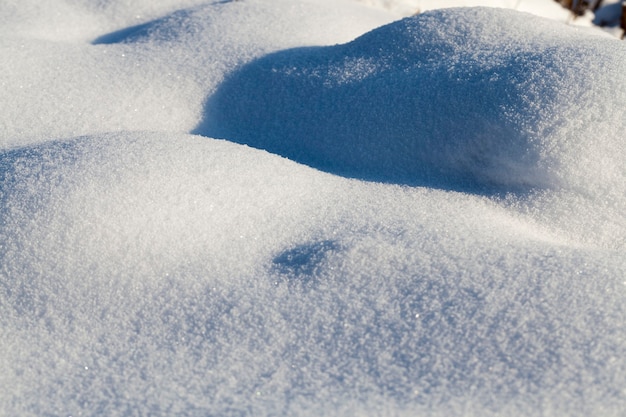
{"points": [[310, 208]]}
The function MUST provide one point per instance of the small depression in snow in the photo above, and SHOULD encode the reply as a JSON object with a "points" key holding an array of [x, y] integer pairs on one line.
{"points": [[302, 261]]}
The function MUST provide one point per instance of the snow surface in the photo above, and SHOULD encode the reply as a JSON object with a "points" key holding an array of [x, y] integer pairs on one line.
{"points": [[548, 9], [308, 207]]}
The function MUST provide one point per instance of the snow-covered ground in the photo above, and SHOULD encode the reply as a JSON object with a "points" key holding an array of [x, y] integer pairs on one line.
{"points": [[311, 208]]}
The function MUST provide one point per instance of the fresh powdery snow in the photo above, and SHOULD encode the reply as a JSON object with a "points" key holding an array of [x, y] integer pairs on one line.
{"points": [[310, 208]]}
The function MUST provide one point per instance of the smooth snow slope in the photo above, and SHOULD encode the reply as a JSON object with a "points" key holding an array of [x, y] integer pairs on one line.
{"points": [[165, 273]]}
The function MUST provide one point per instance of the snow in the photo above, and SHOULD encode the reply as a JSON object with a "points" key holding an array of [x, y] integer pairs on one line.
{"points": [[548, 9], [396, 106], [310, 207], [155, 76]]}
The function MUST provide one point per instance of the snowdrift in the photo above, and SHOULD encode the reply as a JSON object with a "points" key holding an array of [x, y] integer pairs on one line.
{"points": [[164, 273], [141, 71], [469, 97]]}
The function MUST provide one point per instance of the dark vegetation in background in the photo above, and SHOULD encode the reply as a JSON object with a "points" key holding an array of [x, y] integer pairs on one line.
{"points": [[579, 7]]}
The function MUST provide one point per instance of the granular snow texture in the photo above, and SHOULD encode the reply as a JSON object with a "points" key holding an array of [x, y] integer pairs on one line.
{"points": [[421, 219]]}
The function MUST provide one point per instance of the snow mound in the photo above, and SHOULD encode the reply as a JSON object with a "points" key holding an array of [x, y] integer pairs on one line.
{"points": [[151, 73], [105, 194], [269, 25], [467, 97], [153, 273]]}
